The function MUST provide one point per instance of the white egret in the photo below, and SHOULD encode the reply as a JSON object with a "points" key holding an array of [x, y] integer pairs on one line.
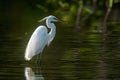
{"points": [[40, 38]]}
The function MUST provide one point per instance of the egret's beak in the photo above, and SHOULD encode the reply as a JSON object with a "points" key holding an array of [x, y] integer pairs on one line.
{"points": [[61, 21], [58, 20]]}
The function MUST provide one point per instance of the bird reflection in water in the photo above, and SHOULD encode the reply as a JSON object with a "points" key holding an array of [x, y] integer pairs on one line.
{"points": [[30, 74]]}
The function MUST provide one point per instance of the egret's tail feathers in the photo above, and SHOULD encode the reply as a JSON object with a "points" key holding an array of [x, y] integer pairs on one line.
{"points": [[27, 58]]}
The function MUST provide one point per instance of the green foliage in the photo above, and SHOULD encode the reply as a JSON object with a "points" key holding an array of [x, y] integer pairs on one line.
{"points": [[67, 10], [72, 13], [110, 3], [63, 4], [116, 1], [42, 7], [87, 10]]}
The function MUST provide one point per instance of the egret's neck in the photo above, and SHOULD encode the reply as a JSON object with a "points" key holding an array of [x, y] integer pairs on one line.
{"points": [[52, 32]]}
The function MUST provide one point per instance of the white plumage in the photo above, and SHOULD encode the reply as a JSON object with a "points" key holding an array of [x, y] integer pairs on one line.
{"points": [[40, 38]]}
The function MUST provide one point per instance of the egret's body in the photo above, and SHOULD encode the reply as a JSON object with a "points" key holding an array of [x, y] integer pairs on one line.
{"points": [[40, 38]]}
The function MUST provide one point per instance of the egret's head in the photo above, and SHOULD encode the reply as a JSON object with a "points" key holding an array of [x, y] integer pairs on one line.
{"points": [[51, 18]]}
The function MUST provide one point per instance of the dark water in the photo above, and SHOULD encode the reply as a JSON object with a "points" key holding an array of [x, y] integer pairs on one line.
{"points": [[73, 55]]}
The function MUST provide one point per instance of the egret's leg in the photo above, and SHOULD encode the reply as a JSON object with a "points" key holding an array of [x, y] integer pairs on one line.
{"points": [[40, 59], [37, 59]]}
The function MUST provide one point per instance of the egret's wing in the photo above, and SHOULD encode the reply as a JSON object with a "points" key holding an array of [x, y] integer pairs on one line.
{"points": [[37, 42]]}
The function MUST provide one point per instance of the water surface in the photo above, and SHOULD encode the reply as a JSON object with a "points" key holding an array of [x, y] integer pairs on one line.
{"points": [[73, 55]]}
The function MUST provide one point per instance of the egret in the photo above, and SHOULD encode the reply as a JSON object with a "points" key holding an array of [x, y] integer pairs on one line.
{"points": [[41, 37]]}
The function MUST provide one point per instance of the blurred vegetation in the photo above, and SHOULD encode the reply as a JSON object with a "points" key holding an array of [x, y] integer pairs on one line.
{"points": [[75, 12]]}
